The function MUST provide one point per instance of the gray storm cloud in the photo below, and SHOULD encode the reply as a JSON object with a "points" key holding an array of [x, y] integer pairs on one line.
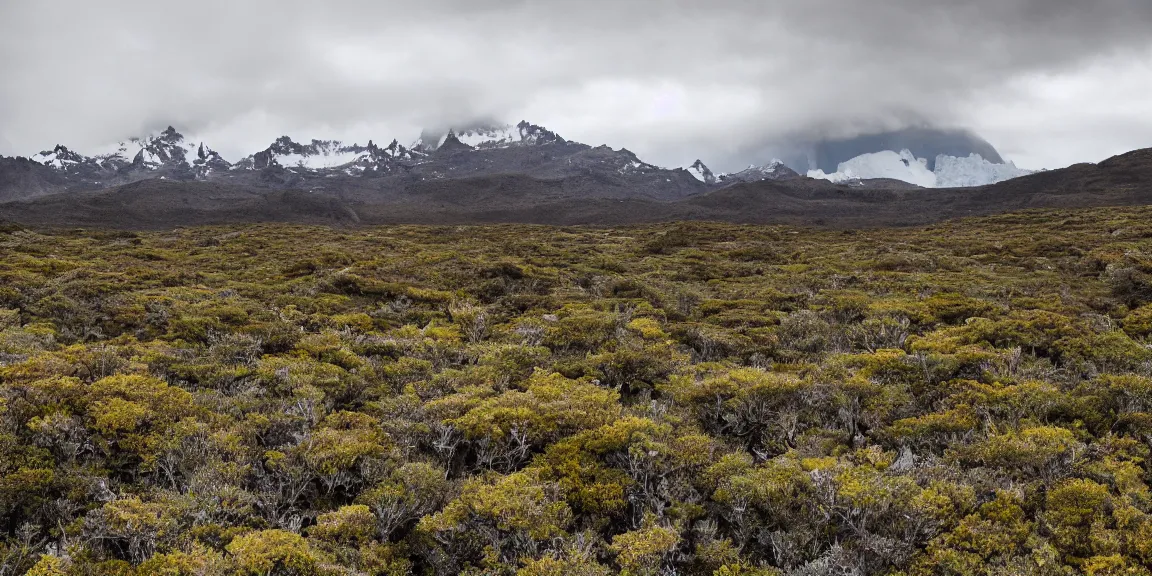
{"points": [[723, 79]]}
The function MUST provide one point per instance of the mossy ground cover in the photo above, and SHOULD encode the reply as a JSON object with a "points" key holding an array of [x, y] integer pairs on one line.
{"points": [[969, 398]]}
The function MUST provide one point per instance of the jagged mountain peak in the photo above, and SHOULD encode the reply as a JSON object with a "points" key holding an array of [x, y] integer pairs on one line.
{"points": [[490, 136], [169, 135], [452, 143], [59, 157], [286, 152], [331, 157], [393, 158], [396, 151], [701, 172], [285, 145], [533, 134], [171, 149]]}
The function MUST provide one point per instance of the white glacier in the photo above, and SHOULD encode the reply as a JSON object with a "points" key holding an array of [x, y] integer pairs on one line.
{"points": [[902, 166], [974, 170], [950, 172]]}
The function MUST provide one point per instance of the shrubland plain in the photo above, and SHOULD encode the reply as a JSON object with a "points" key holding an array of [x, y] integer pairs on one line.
{"points": [[973, 397]]}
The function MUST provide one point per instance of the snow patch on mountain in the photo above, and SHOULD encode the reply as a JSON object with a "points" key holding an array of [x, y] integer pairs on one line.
{"points": [[702, 173], [59, 157], [490, 137], [973, 170]]}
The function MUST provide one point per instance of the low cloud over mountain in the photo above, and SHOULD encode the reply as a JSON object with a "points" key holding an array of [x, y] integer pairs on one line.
{"points": [[1046, 82]]}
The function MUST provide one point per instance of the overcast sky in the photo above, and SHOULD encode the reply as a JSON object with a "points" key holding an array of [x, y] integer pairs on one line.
{"points": [[1049, 82]]}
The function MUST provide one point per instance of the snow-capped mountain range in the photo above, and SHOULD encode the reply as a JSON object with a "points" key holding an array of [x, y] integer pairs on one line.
{"points": [[171, 149], [474, 151], [524, 150], [168, 148]]}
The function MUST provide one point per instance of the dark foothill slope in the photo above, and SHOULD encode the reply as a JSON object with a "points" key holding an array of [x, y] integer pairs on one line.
{"points": [[21, 178], [151, 204]]}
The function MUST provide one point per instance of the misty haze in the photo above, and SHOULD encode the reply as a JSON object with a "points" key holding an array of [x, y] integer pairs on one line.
{"points": [[551, 288]]}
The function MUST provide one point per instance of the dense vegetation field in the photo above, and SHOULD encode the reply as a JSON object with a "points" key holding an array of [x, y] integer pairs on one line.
{"points": [[969, 398]]}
